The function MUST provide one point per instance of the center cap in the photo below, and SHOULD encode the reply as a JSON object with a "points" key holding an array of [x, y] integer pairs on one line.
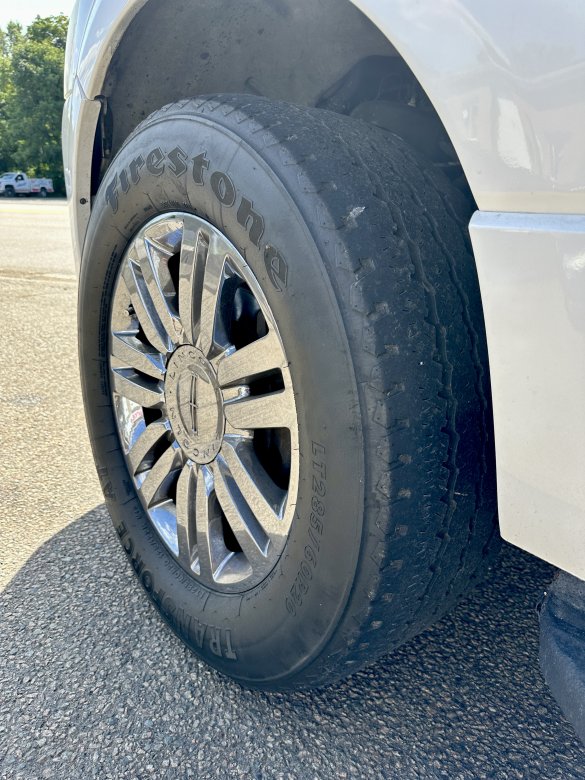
{"points": [[194, 404]]}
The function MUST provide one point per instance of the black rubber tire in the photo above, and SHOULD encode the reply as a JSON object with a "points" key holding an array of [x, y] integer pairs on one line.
{"points": [[378, 304], [43, 192]]}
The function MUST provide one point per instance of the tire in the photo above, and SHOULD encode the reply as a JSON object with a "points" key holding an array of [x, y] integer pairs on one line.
{"points": [[43, 192], [9, 192], [362, 254]]}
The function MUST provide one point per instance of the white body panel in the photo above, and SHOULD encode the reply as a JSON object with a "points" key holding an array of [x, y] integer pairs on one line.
{"points": [[508, 81], [532, 275], [80, 117]]}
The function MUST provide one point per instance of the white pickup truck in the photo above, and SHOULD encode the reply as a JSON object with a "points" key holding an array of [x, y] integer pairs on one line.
{"points": [[18, 183], [296, 243]]}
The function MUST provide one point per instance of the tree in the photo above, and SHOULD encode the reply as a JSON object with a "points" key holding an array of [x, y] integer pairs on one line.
{"points": [[31, 97], [8, 39]]}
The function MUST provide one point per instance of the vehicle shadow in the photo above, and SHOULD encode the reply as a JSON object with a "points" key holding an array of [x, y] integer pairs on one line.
{"points": [[94, 685]]}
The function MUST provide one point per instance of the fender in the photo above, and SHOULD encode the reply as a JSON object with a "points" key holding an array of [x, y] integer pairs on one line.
{"points": [[507, 92]]}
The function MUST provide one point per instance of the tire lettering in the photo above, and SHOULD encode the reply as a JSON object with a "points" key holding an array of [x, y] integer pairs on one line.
{"points": [[304, 577], [276, 266], [178, 158], [177, 161], [214, 642], [294, 592], [220, 640], [247, 214], [223, 188], [317, 449], [310, 554], [316, 523], [135, 166], [314, 539], [197, 632], [124, 182], [154, 162], [318, 486], [229, 650], [200, 164], [112, 194]]}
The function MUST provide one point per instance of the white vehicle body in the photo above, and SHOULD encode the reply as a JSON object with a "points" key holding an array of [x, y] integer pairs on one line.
{"points": [[18, 183], [507, 82]]}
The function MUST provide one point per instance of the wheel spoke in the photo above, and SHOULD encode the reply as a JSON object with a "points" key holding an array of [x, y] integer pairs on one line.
{"points": [[164, 519], [273, 410], [158, 479], [165, 235], [186, 511], [262, 495], [138, 388], [134, 354], [144, 445], [213, 278], [203, 520], [246, 529], [160, 287], [194, 249], [144, 308], [260, 356]]}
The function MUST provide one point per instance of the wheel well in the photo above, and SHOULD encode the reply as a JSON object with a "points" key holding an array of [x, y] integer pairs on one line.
{"points": [[326, 54]]}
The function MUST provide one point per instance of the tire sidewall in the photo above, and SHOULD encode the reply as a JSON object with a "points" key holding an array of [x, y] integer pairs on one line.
{"points": [[272, 631]]}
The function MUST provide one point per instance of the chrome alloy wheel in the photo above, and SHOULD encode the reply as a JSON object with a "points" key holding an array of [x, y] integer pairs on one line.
{"points": [[204, 402]]}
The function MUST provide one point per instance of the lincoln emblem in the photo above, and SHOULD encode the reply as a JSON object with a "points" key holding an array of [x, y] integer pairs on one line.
{"points": [[195, 404]]}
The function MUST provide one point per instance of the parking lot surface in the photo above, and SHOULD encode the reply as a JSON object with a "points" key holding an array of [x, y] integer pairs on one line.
{"points": [[93, 685]]}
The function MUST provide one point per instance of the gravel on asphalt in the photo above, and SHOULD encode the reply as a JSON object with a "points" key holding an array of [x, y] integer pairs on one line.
{"points": [[93, 684]]}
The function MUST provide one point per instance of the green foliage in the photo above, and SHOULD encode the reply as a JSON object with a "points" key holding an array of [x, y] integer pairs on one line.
{"points": [[31, 97]]}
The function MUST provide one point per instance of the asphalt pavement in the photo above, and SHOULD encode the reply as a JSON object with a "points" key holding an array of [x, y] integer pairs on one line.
{"points": [[93, 685]]}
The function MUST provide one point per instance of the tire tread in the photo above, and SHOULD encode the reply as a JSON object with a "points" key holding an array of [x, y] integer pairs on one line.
{"points": [[421, 252]]}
